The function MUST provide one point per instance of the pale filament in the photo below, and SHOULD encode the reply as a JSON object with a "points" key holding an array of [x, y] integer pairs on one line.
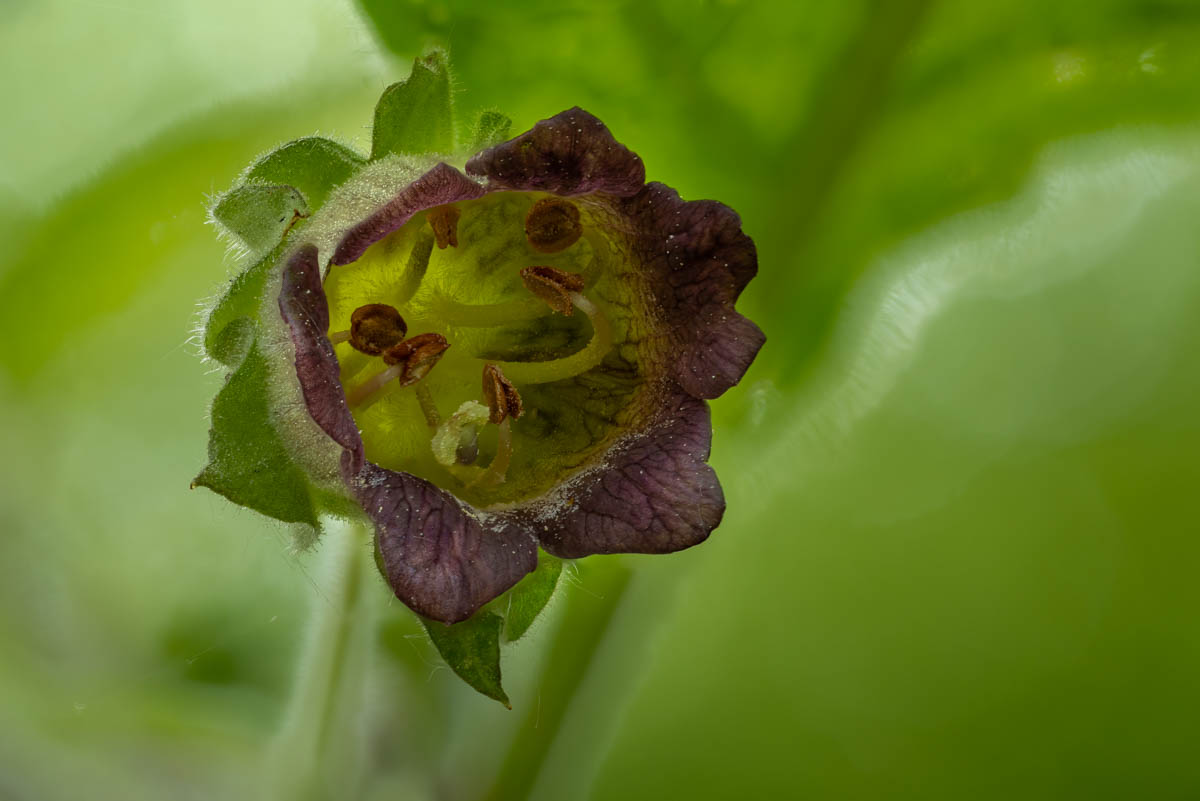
{"points": [[496, 471], [569, 366], [428, 407], [370, 389]]}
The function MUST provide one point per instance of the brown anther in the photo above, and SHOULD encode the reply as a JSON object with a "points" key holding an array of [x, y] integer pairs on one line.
{"points": [[554, 286], [502, 397], [444, 222], [552, 225], [418, 355], [376, 327]]}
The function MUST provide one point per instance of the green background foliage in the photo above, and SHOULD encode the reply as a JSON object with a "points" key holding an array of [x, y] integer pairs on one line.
{"points": [[960, 554]]}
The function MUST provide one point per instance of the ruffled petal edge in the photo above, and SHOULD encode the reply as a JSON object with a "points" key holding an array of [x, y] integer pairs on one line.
{"points": [[654, 492], [571, 153], [698, 261]]}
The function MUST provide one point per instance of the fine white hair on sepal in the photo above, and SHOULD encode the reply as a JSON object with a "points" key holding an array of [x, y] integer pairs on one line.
{"points": [[204, 309]]}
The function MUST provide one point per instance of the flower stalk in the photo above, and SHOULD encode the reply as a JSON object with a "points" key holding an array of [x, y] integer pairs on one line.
{"points": [[318, 752]]}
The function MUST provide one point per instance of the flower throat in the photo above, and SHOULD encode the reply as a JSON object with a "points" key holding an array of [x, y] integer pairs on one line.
{"points": [[460, 326]]}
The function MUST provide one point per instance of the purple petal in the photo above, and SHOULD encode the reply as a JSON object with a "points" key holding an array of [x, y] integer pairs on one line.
{"points": [[305, 310], [722, 346], [569, 154], [700, 261], [654, 493], [441, 561], [442, 184]]}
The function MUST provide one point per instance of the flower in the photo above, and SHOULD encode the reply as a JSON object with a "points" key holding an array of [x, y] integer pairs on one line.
{"points": [[575, 319]]}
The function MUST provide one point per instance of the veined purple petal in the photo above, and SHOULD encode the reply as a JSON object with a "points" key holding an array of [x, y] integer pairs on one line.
{"points": [[654, 493], [572, 153], [440, 559], [716, 350], [306, 311], [699, 261]]}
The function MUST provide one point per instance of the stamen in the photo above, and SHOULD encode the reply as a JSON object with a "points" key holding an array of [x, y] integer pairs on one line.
{"points": [[552, 225], [569, 366], [554, 286], [372, 385], [444, 222], [409, 361], [374, 328], [498, 469], [416, 267], [417, 355], [501, 396]]}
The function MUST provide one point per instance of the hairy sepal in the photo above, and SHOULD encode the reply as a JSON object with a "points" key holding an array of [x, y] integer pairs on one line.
{"points": [[416, 115], [472, 650]]}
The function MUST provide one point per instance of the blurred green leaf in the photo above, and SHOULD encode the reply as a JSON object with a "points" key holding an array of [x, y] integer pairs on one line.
{"points": [[259, 215], [472, 650], [312, 164], [394, 23], [491, 128], [248, 461], [888, 148], [415, 115], [527, 600], [1005, 419], [134, 222]]}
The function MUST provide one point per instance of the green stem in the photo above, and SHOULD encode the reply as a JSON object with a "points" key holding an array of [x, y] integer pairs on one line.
{"points": [[318, 751], [580, 635]]}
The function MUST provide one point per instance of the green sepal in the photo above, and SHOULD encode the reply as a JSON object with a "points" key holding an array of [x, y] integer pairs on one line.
{"points": [[415, 115], [527, 600], [491, 128], [241, 300], [472, 650], [232, 342], [259, 215], [313, 165], [248, 461]]}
